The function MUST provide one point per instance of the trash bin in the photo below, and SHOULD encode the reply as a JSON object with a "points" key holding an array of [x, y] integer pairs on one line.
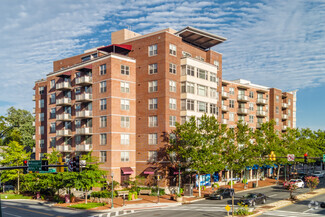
{"points": [[254, 185], [188, 190]]}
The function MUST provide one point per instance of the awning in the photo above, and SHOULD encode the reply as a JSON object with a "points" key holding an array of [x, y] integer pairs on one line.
{"points": [[123, 49], [149, 171], [127, 170], [65, 74]]}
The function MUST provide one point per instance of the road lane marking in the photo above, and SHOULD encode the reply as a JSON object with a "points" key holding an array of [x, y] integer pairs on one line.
{"points": [[11, 214], [28, 210], [273, 195]]}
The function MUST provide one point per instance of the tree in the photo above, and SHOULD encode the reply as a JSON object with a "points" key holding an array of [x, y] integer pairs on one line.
{"points": [[291, 187], [312, 182], [13, 155], [199, 145], [53, 157]]}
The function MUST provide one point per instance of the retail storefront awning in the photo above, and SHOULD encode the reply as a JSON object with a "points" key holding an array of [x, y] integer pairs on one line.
{"points": [[149, 171], [127, 170]]}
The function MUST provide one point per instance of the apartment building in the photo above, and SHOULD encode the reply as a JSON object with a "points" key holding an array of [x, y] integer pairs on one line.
{"points": [[120, 100]]}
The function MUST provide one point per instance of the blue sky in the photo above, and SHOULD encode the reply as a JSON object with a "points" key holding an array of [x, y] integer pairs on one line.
{"points": [[279, 43]]}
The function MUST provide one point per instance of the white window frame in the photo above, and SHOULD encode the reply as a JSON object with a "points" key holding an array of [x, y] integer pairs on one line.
{"points": [[172, 50], [172, 121], [125, 139], [125, 104], [153, 121], [152, 50], [103, 86], [153, 104], [172, 86], [153, 139], [172, 68], [125, 87], [103, 139], [125, 122], [102, 69], [125, 70], [172, 104], [152, 86]]}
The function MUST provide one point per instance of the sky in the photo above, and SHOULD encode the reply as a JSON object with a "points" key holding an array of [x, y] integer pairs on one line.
{"points": [[278, 43]]}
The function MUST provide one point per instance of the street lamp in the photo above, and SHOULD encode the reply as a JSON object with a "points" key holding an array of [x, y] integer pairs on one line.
{"points": [[112, 175]]}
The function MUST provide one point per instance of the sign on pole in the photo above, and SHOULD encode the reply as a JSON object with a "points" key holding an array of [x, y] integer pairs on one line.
{"points": [[228, 208], [291, 157], [34, 165], [324, 158]]}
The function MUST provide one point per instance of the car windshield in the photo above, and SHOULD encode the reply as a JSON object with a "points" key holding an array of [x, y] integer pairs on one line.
{"points": [[293, 180], [249, 195], [317, 172], [220, 191]]}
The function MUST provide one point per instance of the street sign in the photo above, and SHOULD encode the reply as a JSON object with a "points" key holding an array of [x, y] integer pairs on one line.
{"points": [[51, 170], [228, 208], [34, 165], [324, 158], [291, 157], [83, 163]]}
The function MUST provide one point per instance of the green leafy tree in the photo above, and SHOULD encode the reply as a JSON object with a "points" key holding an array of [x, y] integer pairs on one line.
{"points": [[53, 157], [13, 155]]}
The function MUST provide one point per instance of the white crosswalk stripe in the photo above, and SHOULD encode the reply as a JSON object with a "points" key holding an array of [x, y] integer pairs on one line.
{"points": [[291, 214]]}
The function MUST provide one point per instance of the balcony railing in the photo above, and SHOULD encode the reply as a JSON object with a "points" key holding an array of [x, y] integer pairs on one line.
{"points": [[63, 101], [84, 114], [84, 130], [64, 85], [224, 121], [65, 132], [242, 111], [224, 108], [64, 148], [242, 98], [284, 105], [261, 101], [84, 147], [84, 80], [258, 125], [284, 116], [224, 94], [261, 113], [84, 97], [284, 128], [63, 117], [34, 97]]}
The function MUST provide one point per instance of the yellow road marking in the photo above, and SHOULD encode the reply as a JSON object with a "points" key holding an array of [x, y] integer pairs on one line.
{"points": [[43, 213]]}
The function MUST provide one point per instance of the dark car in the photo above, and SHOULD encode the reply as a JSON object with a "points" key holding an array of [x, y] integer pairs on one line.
{"points": [[222, 193], [253, 199]]}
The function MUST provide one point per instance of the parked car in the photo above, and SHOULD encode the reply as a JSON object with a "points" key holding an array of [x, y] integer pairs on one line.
{"points": [[222, 193], [318, 174], [298, 182], [252, 199]]}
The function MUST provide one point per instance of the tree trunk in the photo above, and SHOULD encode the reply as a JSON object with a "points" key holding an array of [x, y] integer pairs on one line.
{"points": [[278, 175], [257, 176], [231, 177], [86, 195], [199, 184]]}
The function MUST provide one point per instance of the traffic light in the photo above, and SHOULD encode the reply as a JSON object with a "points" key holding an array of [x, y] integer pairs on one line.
{"points": [[25, 170], [272, 156], [45, 163], [76, 164], [306, 157], [60, 169]]}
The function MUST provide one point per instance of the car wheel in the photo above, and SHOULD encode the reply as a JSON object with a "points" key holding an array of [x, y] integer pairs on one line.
{"points": [[263, 201], [221, 197], [253, 203], [322, 205]]}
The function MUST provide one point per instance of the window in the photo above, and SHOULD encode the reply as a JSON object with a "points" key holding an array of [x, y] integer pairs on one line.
{"points": [[213, 109], [251, 119], [172, 121], [190, 70], [103, 121], [186, 54], [52, 142], [152, 50], [125, 156], [102, 69], [202, 107], [172, 103], [125, 122], [251, 106], [216, 63], [52, 113], [77, 139], [103, 156], [41, 103], [153, 139], [125, 87], [277, 121], [153, 86], [125, 139], [153, 68], [231, 91], [259, 95], [103, 139], [103, 104], [231, 116], [52, 84], [202, 90], [289, 112], [153, 104], [52, 98], [277, 109], [231, 103], [187, 104], [152, 156], [78, 107], [188, 87], [172, 68], [52, 128], [213, 77], [41, 143], [202, 74], [289, 123], [251, 94], [277, 98], [125, 70], [85, 58], [41, 116], [125, 104], [153, 121], [172, 49], [172, 86], [41, 130], [102, 86], [241, 118], [213, 93], [78, 90], [41, 89], [289, 101]]}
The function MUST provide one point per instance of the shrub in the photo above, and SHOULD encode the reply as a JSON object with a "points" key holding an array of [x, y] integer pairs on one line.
{"points": [[132, 193], [229, 183], [312, 182], [216, 185], [103, 194], [244, 181], [242, 210], [291, 186]]}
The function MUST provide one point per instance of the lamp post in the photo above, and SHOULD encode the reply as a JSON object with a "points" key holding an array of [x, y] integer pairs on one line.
{"points": [[112, 175]]}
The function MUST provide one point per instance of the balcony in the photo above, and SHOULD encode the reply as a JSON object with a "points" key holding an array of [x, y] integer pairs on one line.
{"points": [[65, 85], [84, 80], [259, 125], [284, 105], [65, 132], [224, 121], [224, 94], [242, 111], [65, 101], [33, 97], [224, 108], [34, 110], [284, 117], [242, 98], [84, 130], [261, 113], [84, 147], [63, 117], [84, 114], [84, 97], [64, 148], [261, 101], [284, 128], [33, 123]]}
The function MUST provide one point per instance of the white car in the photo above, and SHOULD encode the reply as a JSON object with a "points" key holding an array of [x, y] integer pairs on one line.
{"points": [[318, 174], [298, 182]]}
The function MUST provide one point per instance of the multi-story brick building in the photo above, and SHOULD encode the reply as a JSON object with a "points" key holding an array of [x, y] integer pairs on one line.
{"points": [[119, 100]]}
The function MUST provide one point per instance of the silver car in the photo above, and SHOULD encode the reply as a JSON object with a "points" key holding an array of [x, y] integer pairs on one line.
{"points": [[318, 174]]}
